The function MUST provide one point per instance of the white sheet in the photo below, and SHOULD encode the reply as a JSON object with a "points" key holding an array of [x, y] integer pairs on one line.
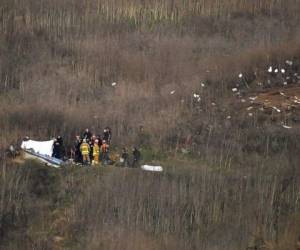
{"points": [[152, 168], [40, 147]]}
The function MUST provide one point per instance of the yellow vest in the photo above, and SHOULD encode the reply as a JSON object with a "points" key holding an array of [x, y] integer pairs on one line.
{"points": [[85, 148], [96, 149]]}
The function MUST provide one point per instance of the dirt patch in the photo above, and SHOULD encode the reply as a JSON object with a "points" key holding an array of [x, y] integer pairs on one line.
{"points": [[281, 99]]}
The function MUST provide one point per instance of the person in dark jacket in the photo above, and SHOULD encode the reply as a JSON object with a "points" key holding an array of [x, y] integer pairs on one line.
{"points": [[107, 135], [91, 144], [87, 134], [78, 156], [125, 158], [60, 140], [56, 153], [136, 157]]}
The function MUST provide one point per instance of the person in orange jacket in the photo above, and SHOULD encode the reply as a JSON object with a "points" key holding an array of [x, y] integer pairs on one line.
{"points": [[96, 152], [85, 151], [105, 152]]}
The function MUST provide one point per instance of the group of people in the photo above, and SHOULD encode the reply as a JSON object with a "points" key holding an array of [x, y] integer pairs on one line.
{"points": [[90, 148], [93, 149]]}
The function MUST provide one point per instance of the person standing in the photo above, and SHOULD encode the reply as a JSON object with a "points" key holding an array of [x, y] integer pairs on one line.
{"points": [[85, 152], [107, 135], [77, 144], [136, 157], [105, 152], [96, 152], [87, 134], [56, 149], [124, 158]]}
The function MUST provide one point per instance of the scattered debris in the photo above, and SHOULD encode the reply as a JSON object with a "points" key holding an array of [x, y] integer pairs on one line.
{"points": [[287, 127], [253, 98], [277, 109], [114, 84], [290, 63], [234, 90], [172, 92], [249, 108]]}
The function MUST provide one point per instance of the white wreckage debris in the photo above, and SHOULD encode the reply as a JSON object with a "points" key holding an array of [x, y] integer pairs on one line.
{"points": [[270, 69], [252, 98], [276, 109], [285, 126], [152, 168]]}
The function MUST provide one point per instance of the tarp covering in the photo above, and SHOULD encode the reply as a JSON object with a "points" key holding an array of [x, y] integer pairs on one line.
{"points": [[39, 147]]}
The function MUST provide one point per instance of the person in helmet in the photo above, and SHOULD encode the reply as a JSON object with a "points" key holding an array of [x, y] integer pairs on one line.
{"points": [[96, 152], [85, 151]]}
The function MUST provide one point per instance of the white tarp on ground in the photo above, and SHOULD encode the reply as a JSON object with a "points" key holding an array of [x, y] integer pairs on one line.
{"points": [[152, 168], [39, 147]]}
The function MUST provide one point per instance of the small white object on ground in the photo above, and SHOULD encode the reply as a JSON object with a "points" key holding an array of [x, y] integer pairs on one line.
{"points": [[296, 101], [288, 62], [240, 75], [196, 95], [243, 100], [114, 84], [172, 92], [234, 90], [282, 71], [228, 117], [287, 127], [152, 168], [252, 98], [285, 83], [270, 69], [276, 70], [250, 114], [213, 104], [277, 109], [202, 85], [249, 108]]}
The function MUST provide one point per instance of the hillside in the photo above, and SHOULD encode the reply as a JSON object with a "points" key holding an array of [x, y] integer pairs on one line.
{"points": [[208, 89]]}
